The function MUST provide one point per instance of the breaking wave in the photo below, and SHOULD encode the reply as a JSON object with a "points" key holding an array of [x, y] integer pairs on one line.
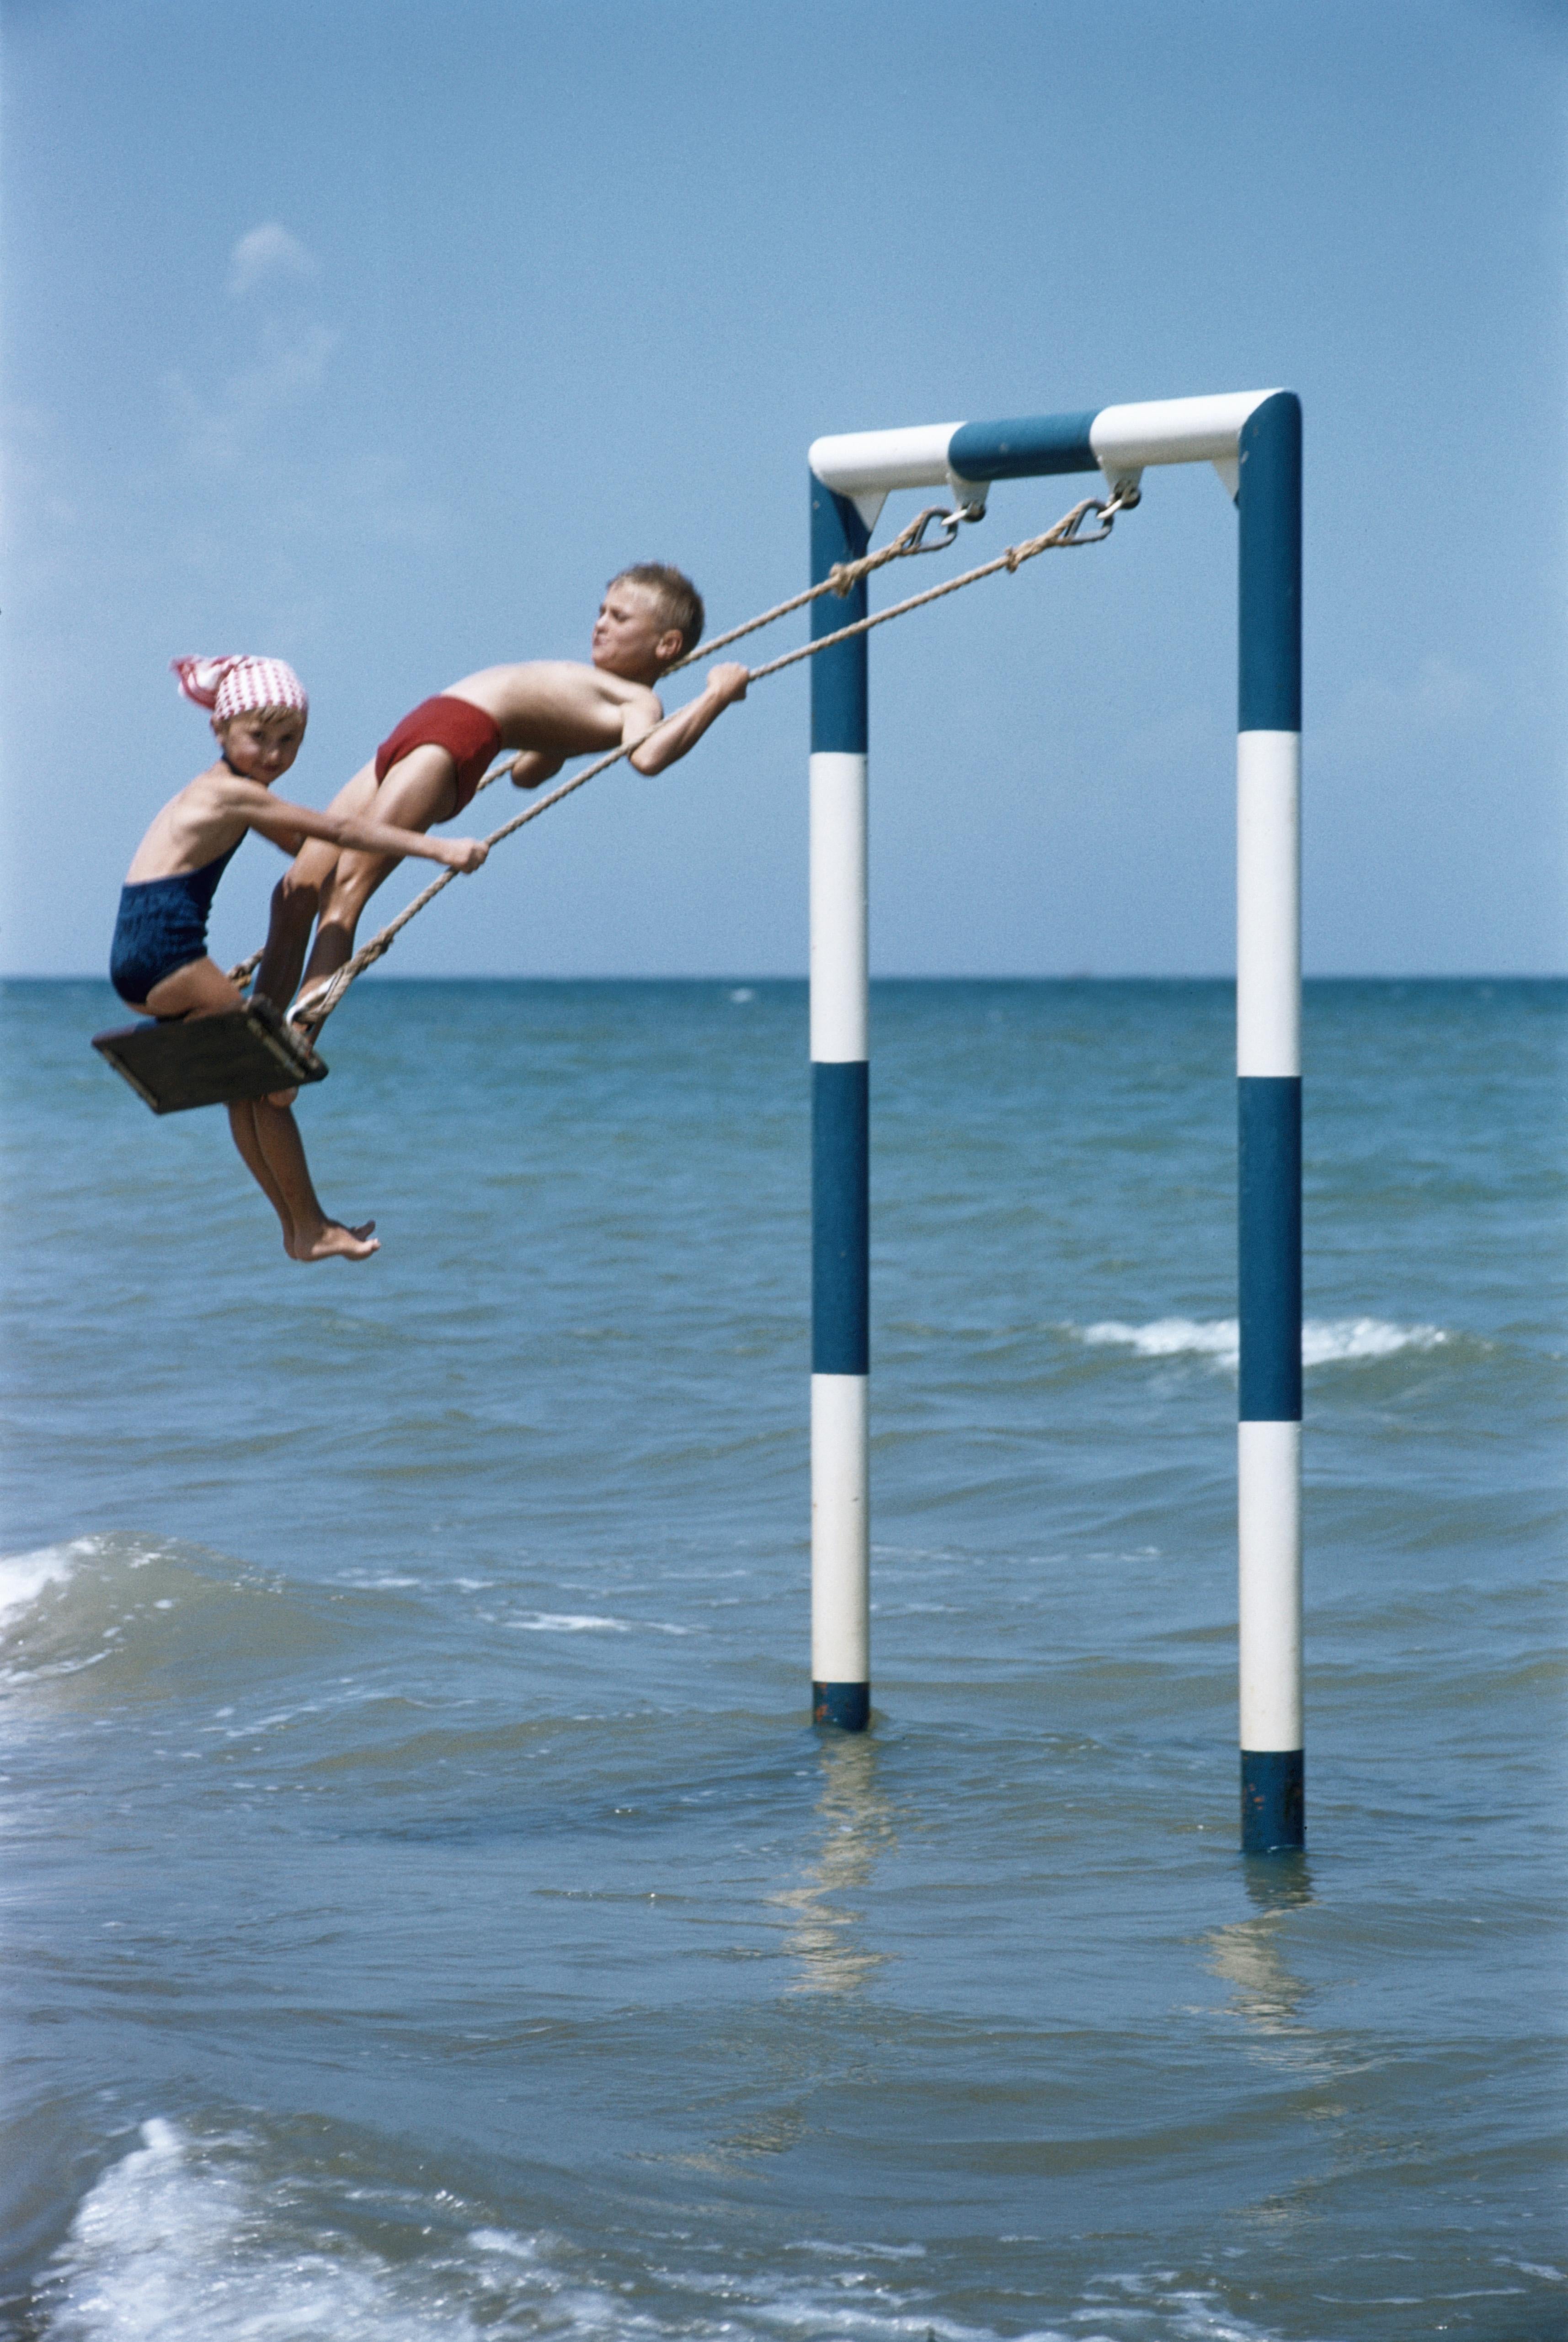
{"points": [[183, 2240], [1326, 1342]]}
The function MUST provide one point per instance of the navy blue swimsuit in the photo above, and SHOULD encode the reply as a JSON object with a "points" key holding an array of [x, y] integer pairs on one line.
{"points": [[162, 925]]}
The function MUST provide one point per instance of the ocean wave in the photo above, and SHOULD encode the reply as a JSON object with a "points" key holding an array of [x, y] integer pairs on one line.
{"points": [[172, 2245], [183, 2240], [53, 1620], [24, 1576], [579, 1622], [143, 1605], [568, 1622], [1325, 1341]]}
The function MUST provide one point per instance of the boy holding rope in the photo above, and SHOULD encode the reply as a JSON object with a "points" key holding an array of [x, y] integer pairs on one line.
{"points": [[428, 768]]}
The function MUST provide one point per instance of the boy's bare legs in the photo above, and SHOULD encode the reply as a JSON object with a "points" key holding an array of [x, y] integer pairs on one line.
{"points": [[265, 1134], [298, 895], [295, 900], [418, 793]]}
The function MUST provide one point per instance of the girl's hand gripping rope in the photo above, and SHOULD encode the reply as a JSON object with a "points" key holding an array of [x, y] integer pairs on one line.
{"points": [[461, 853]]}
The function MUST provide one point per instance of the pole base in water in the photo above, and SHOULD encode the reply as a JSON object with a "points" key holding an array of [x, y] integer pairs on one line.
{"points": [[1273, 1800], [847, 1705]]}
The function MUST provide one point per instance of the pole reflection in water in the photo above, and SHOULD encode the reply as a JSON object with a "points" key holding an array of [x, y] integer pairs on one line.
{"points": [[1266, 1994], [1273, 2004], [857, 1826]]}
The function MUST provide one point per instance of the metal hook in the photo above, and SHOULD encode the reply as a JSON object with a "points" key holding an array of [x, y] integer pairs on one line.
{"points": [[946, 520], [1105, 512]]}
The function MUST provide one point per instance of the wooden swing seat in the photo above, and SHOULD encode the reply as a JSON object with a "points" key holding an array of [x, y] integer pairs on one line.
{"points": [[245, 1053]]}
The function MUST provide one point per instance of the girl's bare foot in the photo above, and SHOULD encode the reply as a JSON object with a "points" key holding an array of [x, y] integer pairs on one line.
{"points": [[332, 1241]]}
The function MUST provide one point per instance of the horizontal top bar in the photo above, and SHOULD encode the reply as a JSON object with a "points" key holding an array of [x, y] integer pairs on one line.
{"points": [[1116, 440]]}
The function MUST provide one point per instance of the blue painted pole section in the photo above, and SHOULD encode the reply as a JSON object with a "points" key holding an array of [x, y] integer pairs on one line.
{"points": [[1029, 446], [840, 1601], [840, 1234], [1269, 1173], [1269, 502], [838, 678], [1268, 1060]]}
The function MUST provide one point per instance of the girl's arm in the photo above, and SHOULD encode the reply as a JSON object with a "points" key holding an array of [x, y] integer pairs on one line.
{"points": [[288, 825]]}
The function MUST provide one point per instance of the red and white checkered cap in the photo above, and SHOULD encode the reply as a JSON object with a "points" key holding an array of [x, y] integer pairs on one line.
{"points": [[236, 686]]}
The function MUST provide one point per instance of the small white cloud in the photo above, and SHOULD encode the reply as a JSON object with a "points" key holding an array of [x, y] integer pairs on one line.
{"points": [[1187, 737], [226, 431], [1376, 718], [269, 254]]}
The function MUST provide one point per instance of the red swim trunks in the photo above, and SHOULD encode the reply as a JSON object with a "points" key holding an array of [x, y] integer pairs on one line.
{"points": [[469, 736]]}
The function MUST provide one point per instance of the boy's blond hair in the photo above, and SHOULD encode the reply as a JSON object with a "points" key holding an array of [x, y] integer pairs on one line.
{"points": [[679, 602]]}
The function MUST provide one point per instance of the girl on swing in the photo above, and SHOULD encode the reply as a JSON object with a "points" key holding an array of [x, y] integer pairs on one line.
{"points": [[159, 963]]}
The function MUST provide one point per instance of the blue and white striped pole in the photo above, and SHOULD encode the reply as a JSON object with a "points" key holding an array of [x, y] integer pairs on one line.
{"points": [[1268, 1069], [1253, 439], [840, 1342]]}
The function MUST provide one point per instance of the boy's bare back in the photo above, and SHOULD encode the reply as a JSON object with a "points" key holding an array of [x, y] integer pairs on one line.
{"points": [[559, 706], [550, 709]]}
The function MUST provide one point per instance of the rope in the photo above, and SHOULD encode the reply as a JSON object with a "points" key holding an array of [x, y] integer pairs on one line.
{"points": [[844, 575], [313, 1010]]}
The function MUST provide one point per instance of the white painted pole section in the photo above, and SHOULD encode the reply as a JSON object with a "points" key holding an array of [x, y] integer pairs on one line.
{"points": [[1268, 1467], [839, 1018], [862, 462], [1268, 903], [840, 1530], [1171, 430]]}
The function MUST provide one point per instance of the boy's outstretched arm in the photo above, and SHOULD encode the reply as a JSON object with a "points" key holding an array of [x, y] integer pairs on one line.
{"points": [[669, 741]]}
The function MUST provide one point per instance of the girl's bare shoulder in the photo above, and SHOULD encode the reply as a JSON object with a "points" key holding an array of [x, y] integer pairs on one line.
{"points": [[200, 821]]}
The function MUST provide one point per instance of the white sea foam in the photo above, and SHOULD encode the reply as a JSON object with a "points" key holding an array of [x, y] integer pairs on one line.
{"points": [[24, 1575], [572, 1621], [182, 2241], [174, 2245], [568, 1622], [1325, 1341]]}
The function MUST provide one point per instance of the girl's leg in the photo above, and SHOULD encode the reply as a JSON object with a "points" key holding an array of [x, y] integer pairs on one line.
{"points": [[247, 1138], [200, 988], [314, 1236], [265, 1134]]}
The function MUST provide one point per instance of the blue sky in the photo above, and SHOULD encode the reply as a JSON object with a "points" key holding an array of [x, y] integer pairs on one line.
{"points": [[376, 336]]}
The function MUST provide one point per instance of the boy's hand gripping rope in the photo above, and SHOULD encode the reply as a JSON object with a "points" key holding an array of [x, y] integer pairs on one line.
{"points": [[313, 1009]]}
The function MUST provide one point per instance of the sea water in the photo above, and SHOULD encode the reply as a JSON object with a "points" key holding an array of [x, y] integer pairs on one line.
{"points": [[427, 1911]]}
